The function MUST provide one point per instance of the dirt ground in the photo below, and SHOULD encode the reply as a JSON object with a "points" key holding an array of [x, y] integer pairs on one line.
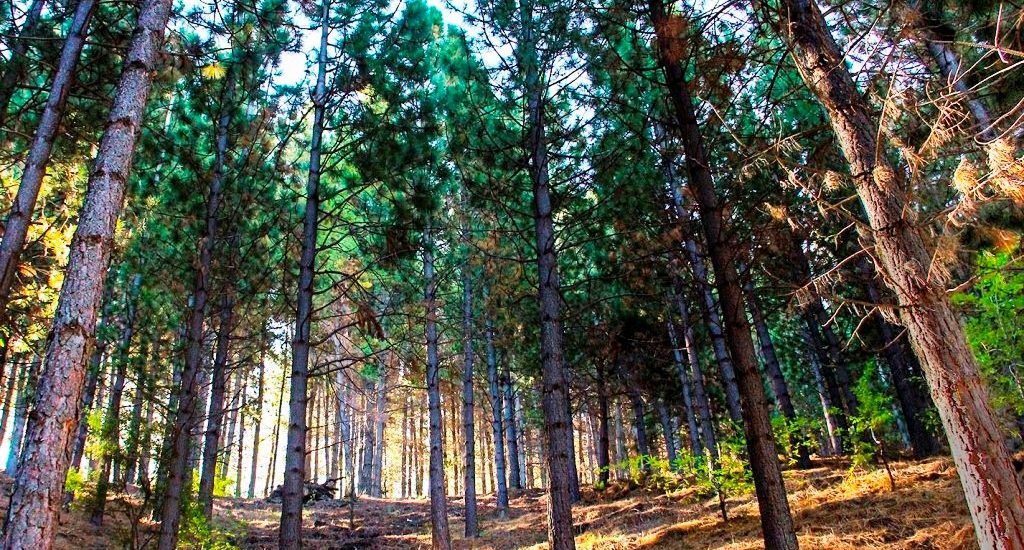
{"points": [[833, 509]]}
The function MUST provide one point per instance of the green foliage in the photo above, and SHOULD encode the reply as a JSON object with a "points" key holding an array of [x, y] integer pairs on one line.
{"points": [[995, 305], [196, 532], [874, 426], [791, 434]]}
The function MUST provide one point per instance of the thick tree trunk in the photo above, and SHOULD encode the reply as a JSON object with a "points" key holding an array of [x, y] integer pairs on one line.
{"points": [[215, 417], [20, 214], [440, 537], [32, 516], [295, 452], [995, 493], [496, 422], [554, 388], [776, 521]]}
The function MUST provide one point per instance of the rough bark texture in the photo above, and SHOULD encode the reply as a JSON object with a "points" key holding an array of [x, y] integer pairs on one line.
{"points": [[995, 493], [295, 451], [39, 486], [20, 215], [554, 388], [776, 521]]}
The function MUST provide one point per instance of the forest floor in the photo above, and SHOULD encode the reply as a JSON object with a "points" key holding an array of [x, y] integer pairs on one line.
{"points": [[833, 508]]}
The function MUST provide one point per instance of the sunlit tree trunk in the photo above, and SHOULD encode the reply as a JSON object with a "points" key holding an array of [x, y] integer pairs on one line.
{"points": [[39, 486], [995, 493]]}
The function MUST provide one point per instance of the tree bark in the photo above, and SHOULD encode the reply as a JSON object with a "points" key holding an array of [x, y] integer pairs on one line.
{"points": [[32, 516], [180, 449], [295, 452], [774, 371], [440, 535], [776, 521], [496, 422], [554, 388], [468, 427], [215, 417], [20, 214], [995, 493]]}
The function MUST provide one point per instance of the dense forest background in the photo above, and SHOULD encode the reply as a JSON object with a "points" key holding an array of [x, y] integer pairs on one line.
{"points": [[326, 250]]}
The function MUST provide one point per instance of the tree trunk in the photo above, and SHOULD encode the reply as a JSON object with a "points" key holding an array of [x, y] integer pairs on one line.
{"points": [[111, 432], [995, 493], [776, 521], [905, 372], [295, 453], [668, 430], [515, 482], [468, 427], [684, 380], [709, 308], [774, 371], [20, 215], [215, 418], [181, 449], [440, 536], [32, 515], [259, 417], [700, 394], [554, 390], [603, 444], [26, 391], [496, 422]]}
